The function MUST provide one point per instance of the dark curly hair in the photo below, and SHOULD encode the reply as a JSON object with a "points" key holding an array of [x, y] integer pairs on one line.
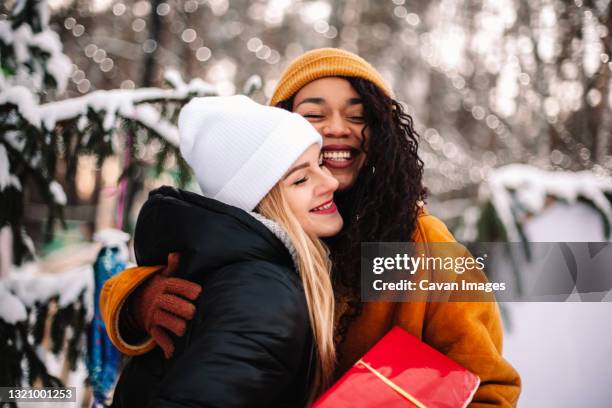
{"points": [[382, 204]]}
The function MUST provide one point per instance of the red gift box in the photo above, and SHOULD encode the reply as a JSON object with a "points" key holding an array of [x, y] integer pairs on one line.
{"points": [[401, 371]]}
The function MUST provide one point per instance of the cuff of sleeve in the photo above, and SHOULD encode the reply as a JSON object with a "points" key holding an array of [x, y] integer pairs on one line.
{"points": [[115, 293]]}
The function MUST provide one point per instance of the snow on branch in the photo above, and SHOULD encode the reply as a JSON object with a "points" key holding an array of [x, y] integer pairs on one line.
{"points": [[12, 310], [521, 188], [26, 286], [25, 102], [129, 104], [252, 84], [31, 71], [150, 118], [6, 178], [30, 131]]}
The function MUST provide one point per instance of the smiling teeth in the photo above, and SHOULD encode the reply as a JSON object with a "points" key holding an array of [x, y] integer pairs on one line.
{"points": [[337, 155], [323, 207]]}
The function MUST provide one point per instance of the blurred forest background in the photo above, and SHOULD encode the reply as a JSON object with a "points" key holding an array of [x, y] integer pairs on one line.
{"points": [[488, 82]]}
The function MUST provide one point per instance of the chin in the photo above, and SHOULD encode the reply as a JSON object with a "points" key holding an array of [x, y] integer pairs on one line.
{"points": [[327, 234], [346, 177], [330, 230], [345, 181], [335, 230]]}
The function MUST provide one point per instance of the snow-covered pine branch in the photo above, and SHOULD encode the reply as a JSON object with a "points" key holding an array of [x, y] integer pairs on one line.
{"points": [[252, 85], [31, 52], [33, 297], [519, 191], [29, 286], [35, 134], [19, 110], [31, 132], [108, 107]]}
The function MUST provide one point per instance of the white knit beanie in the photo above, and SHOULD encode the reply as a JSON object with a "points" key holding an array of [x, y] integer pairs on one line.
{"points": [[239, 149]]}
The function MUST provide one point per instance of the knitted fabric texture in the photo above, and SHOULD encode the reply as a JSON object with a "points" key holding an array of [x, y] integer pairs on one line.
{"points": [[239, 149], [280, 233], [321, 63]]}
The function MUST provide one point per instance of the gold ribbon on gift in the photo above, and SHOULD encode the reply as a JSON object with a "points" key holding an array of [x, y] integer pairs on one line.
{"points": [[391, 384]]}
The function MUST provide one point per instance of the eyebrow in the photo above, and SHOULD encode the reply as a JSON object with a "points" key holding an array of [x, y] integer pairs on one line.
{"points": [[321, 101], [296, 168], [318, 101]]}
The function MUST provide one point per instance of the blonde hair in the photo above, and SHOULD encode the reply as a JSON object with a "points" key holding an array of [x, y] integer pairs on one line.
{"points": [[314, 268]]}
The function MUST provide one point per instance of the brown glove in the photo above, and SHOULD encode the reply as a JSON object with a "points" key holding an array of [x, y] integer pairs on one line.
{"points": [[163, 304]]}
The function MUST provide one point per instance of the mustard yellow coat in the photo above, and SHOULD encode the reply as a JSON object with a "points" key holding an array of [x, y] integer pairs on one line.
{"points": [[468, 332]]}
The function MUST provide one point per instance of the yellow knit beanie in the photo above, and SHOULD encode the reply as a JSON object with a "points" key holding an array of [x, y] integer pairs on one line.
{"points": [[325, 62]]}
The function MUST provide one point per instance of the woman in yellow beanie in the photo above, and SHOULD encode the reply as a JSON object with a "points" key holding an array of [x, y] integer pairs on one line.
{"points": [[371, 148]]}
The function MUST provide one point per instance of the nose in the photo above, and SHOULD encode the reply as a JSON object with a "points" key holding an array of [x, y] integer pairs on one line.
{"points": [[335, 126], [326, 184]]}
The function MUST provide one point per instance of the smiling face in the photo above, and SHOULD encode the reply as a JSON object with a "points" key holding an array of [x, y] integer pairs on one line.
{"points": [[335, 109], [308, 188]]}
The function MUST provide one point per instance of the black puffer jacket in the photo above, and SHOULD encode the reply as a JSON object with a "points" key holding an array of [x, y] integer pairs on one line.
{"points": [[250, 343]]}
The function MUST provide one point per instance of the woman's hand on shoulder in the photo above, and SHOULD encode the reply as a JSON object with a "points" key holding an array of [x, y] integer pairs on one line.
{"points": [[164, 304]]}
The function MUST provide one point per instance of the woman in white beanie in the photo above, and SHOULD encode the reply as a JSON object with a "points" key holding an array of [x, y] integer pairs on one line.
{"points": [[263, 335]]}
